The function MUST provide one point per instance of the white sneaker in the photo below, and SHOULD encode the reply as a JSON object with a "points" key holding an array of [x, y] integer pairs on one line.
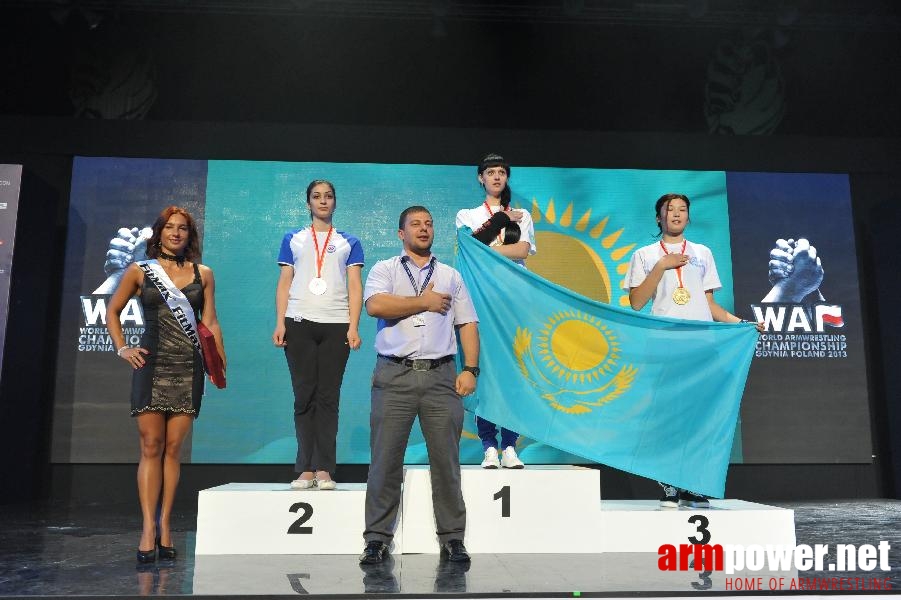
{"points": [[303, 484], [327, 484], [509, 460], [491, 461]]}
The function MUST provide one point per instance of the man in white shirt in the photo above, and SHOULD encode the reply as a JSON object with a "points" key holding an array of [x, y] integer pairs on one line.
{"points": [[421, 304]]}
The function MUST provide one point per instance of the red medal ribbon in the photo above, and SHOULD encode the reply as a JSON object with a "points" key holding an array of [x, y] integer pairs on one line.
{"points": [[491, 214], [320, 257], [678, 269]]}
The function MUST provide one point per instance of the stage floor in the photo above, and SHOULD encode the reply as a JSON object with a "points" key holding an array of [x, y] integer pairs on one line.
{"points": [[89, 551]]}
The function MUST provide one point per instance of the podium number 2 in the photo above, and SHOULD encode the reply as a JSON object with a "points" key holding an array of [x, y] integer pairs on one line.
{"points": [[504, 496], [296, 526]]}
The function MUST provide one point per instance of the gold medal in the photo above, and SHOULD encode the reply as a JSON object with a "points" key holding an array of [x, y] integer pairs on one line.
{"points": [[681, 296]]}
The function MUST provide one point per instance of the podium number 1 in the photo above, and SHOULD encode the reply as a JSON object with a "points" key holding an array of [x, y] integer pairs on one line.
{"points": [[296, 526], [504, 496]]}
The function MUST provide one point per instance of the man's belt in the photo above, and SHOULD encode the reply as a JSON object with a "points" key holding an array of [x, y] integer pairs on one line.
{"points": [[419, 364]]}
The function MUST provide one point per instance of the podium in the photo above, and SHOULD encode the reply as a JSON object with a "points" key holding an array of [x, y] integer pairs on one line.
{"points": [[537, 510], [544, 509], [272, 518], [643, 526]]}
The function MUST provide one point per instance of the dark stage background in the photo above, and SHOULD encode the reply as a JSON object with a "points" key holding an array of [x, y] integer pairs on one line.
{"points": [[739, 86]]}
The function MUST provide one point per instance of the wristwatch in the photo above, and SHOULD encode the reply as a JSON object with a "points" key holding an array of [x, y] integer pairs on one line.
{"points": [[474, 370]]}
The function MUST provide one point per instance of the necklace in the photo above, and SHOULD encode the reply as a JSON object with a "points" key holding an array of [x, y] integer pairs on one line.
{"points": [[179, 260]]}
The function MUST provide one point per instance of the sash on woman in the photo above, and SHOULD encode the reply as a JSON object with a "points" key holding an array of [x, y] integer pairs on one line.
{"points": [[198, 333]]}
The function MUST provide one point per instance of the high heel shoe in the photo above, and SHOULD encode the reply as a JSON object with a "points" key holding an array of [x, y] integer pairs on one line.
{"points": [[166, 552], [146, 556]]}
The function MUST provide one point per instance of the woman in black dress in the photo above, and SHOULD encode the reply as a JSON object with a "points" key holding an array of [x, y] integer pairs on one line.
{"points": [[168, 372]]}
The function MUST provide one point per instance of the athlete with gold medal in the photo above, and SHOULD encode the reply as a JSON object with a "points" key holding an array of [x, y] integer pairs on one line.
{"points": [[679, 278]]}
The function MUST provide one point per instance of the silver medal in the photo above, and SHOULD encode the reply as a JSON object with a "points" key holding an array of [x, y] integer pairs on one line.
{"points": [[318, 286]]}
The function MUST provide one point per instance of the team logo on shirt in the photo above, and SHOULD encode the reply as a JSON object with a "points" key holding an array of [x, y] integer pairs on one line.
{"points": [[330, 248], [579, 252], [574, 362]]}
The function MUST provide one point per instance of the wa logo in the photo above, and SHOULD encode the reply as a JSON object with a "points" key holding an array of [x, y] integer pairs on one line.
{"points": [[795, 318], [795, 302], [94, 312]]}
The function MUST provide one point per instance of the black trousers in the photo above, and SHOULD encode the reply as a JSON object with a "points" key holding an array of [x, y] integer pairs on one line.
{"points": [[317, 355]]}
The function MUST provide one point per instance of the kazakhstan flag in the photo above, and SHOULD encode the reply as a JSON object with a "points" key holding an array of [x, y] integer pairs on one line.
{"points": [[654, 396]]}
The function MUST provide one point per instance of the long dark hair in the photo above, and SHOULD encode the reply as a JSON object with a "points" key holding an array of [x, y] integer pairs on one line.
{"points": [[496, 160], [192, 248], [665, 199], [313, 184], [512, 231]]}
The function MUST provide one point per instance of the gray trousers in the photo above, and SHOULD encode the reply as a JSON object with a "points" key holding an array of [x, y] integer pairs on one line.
{"points": [[399, 394]]}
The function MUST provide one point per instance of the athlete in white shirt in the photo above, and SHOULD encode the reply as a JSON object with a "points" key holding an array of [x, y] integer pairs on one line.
{"points": [[510, 232], [317, 315], [679, 278]]}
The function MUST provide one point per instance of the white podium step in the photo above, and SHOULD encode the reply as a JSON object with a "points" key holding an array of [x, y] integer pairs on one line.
{"points": [[271, 518], [539, 509], [643, 526]]}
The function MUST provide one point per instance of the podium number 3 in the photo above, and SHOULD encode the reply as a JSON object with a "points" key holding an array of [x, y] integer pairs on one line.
{"points": [[297, 526], [504, 496], [702, 523]]}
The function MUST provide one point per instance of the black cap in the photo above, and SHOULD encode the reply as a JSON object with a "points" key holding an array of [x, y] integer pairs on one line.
{"points": [[493, 160]]}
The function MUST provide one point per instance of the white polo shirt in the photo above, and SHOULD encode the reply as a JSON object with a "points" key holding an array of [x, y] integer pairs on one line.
{"points": [[299, 251]]}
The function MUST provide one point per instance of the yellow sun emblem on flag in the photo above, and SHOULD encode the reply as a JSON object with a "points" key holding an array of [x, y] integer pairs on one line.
{"points": [[580, 253], [573, 362]]}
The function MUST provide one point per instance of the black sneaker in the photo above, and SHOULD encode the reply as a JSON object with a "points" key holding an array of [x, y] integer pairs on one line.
{"points": [[692, 500], [670, 497]]}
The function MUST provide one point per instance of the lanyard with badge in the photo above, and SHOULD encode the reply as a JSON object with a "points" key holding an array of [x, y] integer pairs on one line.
{"points": [[419, 319]]}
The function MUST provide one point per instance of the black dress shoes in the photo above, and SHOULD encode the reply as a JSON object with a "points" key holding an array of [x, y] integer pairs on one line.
{"points": [[166, 552], [454, 551], [374, 552], [145, 557]]}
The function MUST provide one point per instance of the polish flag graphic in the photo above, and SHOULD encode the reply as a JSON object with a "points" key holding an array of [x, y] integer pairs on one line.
{"points": [[830, 314]]}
